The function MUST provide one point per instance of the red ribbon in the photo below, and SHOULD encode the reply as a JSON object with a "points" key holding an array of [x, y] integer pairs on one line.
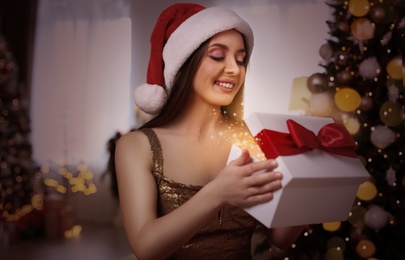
{"points": [[332, 138]]}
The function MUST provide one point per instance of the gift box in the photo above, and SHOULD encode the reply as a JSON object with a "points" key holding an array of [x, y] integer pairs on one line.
{"points": [[321, 172]]}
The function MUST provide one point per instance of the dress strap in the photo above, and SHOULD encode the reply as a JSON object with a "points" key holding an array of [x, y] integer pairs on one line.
{"points": [[156, 150]]}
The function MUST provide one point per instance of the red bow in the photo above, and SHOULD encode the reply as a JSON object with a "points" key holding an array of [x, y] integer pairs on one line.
{"points": [[332, 138]]}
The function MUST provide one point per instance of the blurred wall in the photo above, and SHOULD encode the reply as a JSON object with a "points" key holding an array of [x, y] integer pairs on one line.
{"points": [[80, 95]]}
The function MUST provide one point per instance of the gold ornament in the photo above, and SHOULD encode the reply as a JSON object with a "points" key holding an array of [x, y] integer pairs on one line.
{"points": [[362, 29], [367, 191], [331, 226], [347, 99], [391, 113], [336, 242], [356, 217], [359, 8], [334, 254], [352, 125], [394, 68], [365, 248]]}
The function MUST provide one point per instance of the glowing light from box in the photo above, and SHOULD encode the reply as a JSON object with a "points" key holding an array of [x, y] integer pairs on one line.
{"points": [[238, 134], [244, 140]]}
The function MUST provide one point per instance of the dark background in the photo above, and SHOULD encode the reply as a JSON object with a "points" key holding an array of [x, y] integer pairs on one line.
{"points": [[17, 26]]}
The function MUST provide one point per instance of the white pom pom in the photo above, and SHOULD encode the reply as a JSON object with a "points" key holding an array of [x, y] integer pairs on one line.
{"points": [[150, 98]]}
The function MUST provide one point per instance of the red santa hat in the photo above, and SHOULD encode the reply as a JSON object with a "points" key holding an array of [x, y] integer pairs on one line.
{"points": [[179, 31]]}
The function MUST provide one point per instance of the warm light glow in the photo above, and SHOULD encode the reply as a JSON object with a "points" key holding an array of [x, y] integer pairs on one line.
{"points": [[61, 189], [75, 231], [78, 176], [37, 201], [367, 191], [352, 125], [331, 226], [51, 182]]}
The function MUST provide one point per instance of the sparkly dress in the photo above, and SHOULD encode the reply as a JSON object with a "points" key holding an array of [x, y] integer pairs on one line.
{"points": [[226, 236]]}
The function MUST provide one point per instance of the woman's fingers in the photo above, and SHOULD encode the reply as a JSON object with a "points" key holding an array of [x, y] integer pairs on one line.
{"points": [[249, 167], [257, 199], [263, 178], [264, 188], [261, 187], [243, 159], [259, 166], [249, 182]]}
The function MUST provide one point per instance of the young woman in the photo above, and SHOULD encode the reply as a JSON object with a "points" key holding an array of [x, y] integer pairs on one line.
{"points": [[179, 197]]}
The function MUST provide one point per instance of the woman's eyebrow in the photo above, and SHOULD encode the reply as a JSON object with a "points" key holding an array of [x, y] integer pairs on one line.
{"points": [[223, 46]]}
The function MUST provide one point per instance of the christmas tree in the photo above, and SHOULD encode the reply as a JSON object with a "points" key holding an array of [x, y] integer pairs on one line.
{"points": [[19, 176], [362, 86]]}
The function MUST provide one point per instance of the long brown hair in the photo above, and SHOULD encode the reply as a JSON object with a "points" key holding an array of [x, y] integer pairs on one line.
{"points": [[181, 90]]}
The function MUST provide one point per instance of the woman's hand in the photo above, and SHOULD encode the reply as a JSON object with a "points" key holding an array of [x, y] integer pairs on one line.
{"points": [[238, 185]]}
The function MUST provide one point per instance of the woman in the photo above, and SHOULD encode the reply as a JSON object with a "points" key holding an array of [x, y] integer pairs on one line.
{"points": [[179, 198]]}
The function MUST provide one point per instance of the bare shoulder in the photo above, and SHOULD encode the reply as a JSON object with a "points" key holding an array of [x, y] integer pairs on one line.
{"points": [[134, 139], [133, 147]]}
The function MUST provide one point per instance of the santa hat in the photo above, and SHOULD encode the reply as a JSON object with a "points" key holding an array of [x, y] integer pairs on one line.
{"points": [[179, 31]]}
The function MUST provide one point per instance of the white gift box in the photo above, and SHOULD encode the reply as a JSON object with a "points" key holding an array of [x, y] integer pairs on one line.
{"points": [[318, 186]]}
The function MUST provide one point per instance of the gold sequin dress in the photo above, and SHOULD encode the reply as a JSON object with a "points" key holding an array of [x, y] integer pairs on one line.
{"points": [[226, 236]]}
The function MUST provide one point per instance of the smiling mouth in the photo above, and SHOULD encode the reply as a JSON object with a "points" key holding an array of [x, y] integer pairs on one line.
{"points": [[225, 84]]}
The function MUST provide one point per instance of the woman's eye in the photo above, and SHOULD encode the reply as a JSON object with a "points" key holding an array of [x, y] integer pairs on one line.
{"points": [[217, 58], [216, 54], [241, 62]]}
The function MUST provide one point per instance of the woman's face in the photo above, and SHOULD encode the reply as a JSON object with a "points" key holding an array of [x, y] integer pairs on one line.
{"points": [[222, 70]]}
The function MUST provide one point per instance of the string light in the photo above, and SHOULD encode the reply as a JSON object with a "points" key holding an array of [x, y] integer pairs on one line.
{"points": [[19, 181], [36, 203], [75, 176], [73, 232]]}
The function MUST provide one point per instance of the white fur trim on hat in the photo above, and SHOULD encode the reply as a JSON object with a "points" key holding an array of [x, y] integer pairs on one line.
{"points": [[150, 98], [194, 31]]}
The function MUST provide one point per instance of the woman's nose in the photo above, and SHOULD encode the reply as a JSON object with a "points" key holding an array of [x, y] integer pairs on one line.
{"points": [[231, 66]]}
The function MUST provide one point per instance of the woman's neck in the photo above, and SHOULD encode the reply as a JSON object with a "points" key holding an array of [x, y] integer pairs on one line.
{"points": [[211, 126], [200, 122]]}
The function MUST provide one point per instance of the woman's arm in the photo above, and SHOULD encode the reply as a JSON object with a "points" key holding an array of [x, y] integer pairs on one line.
{"points": [[154, 238], [284, 237]]}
